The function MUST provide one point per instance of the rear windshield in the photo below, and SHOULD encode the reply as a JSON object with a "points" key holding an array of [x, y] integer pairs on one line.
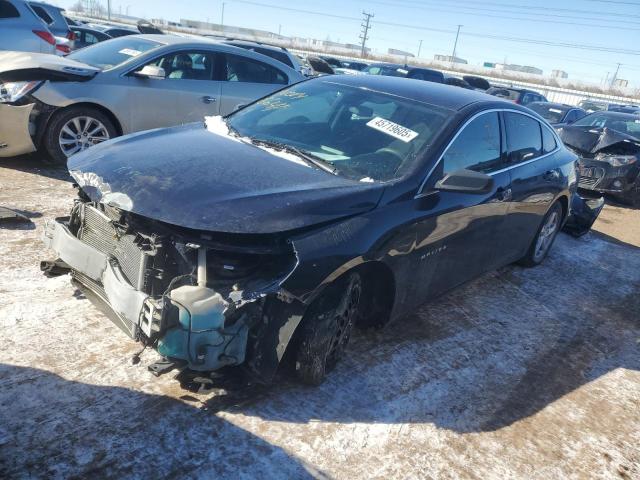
{"points": [[110, 54], [389, 70], [551, 113], [623, 123], [504, 93]]}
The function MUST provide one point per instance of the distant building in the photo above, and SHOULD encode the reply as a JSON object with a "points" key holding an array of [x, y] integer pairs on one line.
{"points": [[229, 30], [400, 53], [621, 83], [449, 59], [559, 74], [509, 67]]}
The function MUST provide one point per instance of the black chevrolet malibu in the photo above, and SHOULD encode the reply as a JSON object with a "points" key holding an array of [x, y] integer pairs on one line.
{"points": [[336, 202]]}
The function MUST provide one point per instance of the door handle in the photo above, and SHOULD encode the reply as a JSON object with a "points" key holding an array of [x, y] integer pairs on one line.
{"points": [[208, 99], [551, 175], [504, 194]]}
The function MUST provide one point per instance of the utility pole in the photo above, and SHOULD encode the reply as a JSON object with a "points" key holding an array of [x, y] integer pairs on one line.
{"points": [[419, 48], [279, 30], [109, 9], [455, 44], [222, 17], [364, 36], [615, 76]]}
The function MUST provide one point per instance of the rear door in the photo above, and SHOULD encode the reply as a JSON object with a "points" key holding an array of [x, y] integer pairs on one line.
{"points": [[536, 178], [246, 79], [187, 94], [459, 234]]}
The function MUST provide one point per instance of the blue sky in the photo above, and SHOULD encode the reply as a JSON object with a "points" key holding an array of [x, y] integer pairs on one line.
{"points": [[612, 24]]}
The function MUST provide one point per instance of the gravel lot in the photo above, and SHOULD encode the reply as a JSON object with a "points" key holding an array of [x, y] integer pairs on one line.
{"points": [[519, 374]]}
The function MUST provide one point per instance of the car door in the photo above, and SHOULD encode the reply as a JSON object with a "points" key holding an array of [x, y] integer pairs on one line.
{"points": [[245, 79], [459, 235], [187, 93], [536, 178]]}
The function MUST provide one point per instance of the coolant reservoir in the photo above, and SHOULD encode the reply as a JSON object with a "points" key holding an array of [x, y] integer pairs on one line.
{"points": [[201, 320]]}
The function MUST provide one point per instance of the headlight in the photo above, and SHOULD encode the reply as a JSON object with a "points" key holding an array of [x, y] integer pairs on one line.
{"points": [[617, 160], [14, 91]]}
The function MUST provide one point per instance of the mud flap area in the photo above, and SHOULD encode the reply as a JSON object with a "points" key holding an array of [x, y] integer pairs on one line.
{"points": [[583, 213]]}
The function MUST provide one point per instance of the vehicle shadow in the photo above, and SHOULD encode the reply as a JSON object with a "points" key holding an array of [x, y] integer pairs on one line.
{"points": [[486, 355], [34, 164], [51, 427]]}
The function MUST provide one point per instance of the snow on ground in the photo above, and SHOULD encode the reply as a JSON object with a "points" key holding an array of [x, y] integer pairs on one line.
{"points": [[520, 374]]}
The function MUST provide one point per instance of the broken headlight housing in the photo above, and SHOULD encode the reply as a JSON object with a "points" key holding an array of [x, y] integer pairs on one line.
{"points": [[617, 160], [13, 91]]}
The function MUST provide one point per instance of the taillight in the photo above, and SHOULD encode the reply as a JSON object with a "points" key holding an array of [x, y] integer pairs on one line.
{"points": [[71, 36], [46, 36], [65, 49]]}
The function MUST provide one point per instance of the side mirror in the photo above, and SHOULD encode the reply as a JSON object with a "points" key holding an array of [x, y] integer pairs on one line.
{"points": [[151, 71], [466, 181]]}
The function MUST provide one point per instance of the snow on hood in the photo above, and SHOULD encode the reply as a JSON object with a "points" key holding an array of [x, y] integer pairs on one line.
{"points": [[216, 124]]}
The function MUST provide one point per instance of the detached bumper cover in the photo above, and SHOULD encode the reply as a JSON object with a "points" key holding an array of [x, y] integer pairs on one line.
{"points": [[125, 301], [583, 214], [15, 138]]}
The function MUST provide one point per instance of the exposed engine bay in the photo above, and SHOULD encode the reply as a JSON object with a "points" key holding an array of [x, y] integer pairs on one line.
{"points": [[194, 298]]}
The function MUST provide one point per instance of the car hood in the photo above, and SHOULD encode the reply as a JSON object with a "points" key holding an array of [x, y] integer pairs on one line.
{"points": [[25, 66], [190, 177], [599, 140]]}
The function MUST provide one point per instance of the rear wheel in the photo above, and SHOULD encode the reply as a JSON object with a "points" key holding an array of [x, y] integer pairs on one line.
{"points": [[326, 329], [75, 129], [544, 238]]}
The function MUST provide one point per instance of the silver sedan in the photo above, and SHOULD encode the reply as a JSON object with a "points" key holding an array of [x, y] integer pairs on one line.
{"points": [[125, 85]]}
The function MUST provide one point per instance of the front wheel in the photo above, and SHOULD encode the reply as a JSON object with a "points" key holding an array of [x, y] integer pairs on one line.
{"points": [[544, 238], [326, 329], [75, 129]]}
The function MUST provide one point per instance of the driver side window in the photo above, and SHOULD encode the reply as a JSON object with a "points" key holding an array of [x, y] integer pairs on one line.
{"points": [[476, 148]]}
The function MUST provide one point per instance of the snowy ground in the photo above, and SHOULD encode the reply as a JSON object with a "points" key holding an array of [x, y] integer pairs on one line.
{"points": [[519, 374]]}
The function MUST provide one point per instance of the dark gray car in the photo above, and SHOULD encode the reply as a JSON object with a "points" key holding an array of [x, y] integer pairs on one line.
{"points": [[125, 85]]}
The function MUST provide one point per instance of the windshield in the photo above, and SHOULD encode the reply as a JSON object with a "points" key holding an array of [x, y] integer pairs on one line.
{"points": [[361, 134], [388, 70], [507, 93], [627, 124], [109, 54], [551, 113], [592, 106]]}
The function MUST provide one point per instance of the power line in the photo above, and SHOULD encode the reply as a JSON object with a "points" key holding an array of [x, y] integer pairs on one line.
{"points": [[598, 48], [364, 36]]}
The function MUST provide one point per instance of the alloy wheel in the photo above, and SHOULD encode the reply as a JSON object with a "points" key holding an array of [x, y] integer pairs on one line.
{"points": [[546, 235], [80, 133]]}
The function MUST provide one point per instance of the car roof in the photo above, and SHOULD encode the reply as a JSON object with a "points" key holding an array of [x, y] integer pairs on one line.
{"points": [[556, 105], [266, 46], [619, 115], [446, 96]]}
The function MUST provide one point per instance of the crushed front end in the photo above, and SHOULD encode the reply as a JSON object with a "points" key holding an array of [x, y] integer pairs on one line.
{"points": [[202, 300]]}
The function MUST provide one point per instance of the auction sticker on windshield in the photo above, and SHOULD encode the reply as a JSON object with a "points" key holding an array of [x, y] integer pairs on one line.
{"points": [[130, 52], [397, 131]]}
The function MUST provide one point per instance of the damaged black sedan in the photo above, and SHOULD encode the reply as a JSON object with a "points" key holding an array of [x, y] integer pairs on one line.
{"points": [[608, 144], [336, 202]]}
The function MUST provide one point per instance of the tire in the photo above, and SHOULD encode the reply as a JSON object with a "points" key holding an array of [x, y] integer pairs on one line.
{"points": [[544, 238], [326, 329], [88, 120]]}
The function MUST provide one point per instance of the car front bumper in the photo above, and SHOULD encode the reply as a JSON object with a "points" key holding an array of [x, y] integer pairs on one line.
{"points": [[199, 337], [603, 177], [15, 130]]}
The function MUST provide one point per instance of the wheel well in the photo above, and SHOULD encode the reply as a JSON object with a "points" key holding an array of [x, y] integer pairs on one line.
{"points": [[564, 203], [379, 291], [95, 106]]}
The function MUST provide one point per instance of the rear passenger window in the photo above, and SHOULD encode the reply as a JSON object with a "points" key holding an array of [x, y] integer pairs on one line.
{"points": [[523, 137], [241, 69], [187, 65], [548, 140], [476, 148], [7, 10], [43, 14]]}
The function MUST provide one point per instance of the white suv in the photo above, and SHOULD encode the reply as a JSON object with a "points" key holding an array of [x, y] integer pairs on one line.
{"points": [[22, 30]]}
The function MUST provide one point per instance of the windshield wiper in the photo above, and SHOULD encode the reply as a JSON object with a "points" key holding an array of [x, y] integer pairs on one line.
{"points": [[303, 154]]}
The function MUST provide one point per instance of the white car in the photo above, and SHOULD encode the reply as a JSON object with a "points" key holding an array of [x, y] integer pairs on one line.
{"points": [[22, 30]]}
